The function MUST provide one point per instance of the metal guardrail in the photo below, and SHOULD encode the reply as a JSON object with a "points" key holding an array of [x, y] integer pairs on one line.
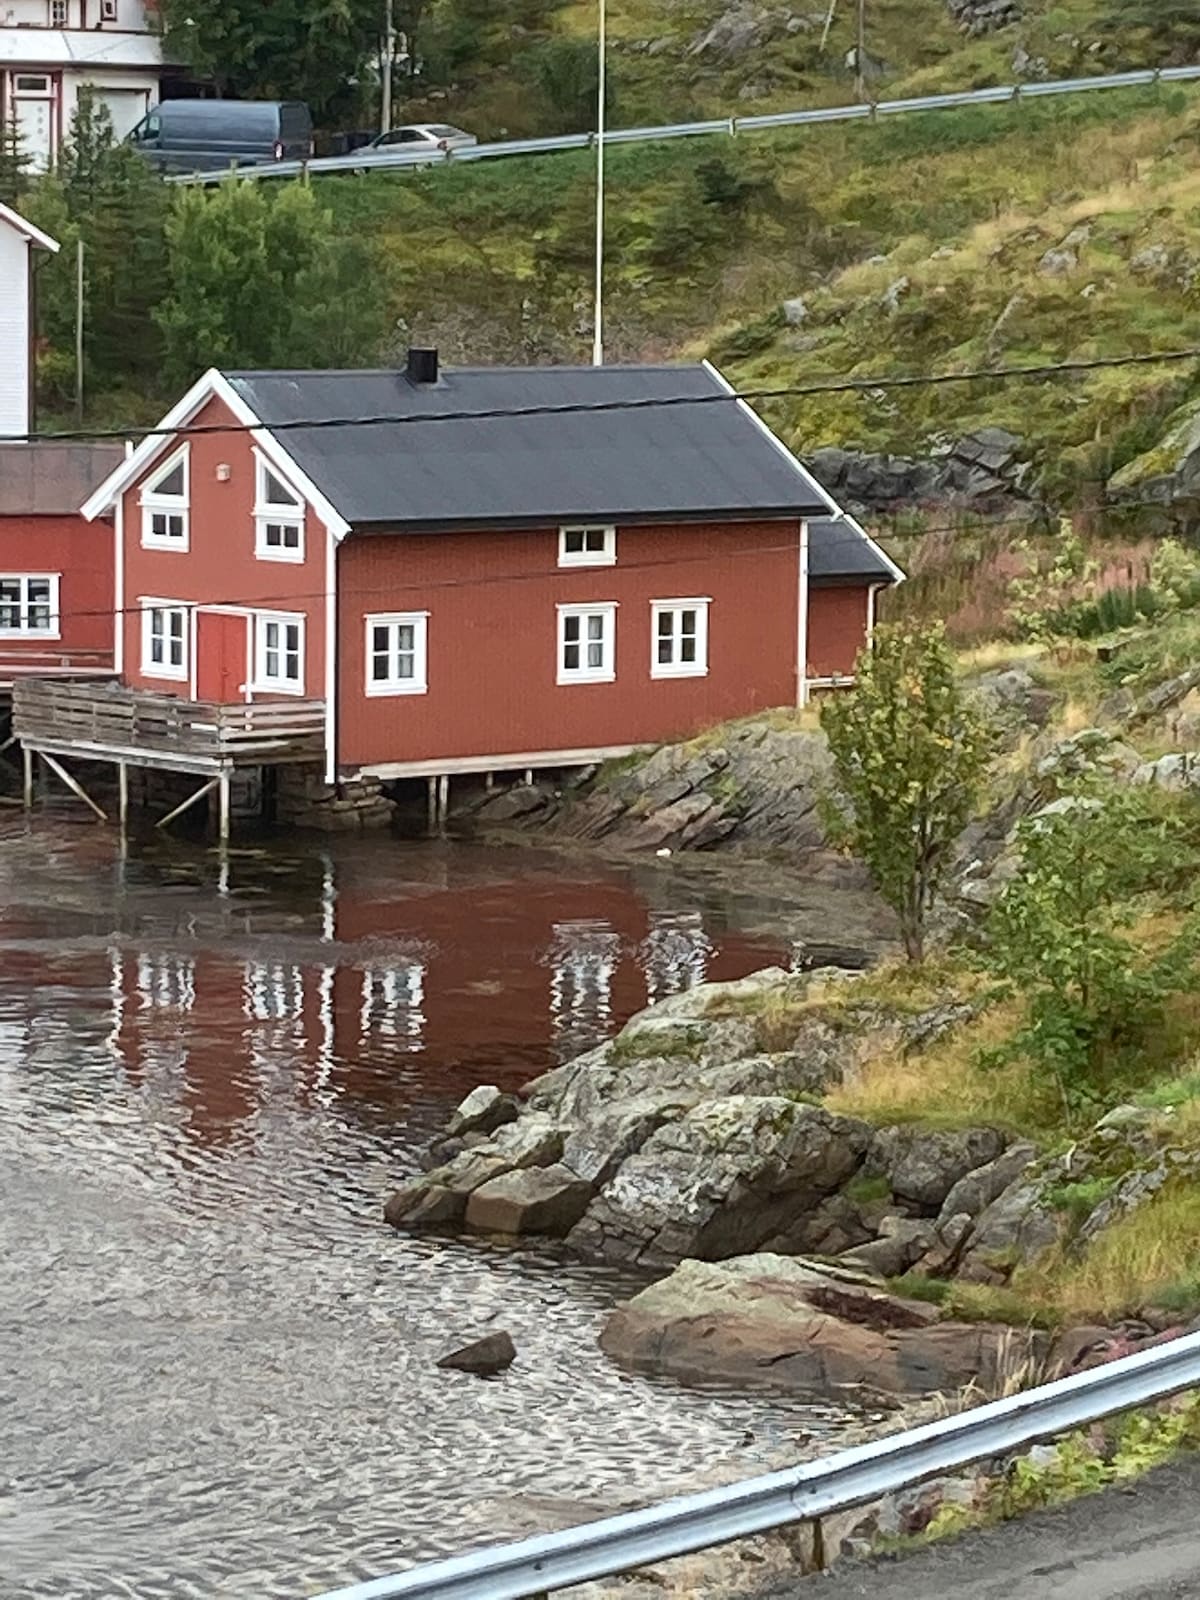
{"points": [[801, 1494], [367, 161]]}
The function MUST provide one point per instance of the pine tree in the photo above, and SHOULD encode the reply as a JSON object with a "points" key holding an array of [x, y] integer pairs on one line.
{"points": [[14, 163]]}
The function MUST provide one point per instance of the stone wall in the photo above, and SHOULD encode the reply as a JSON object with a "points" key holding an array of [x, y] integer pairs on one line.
{"points": [[304, 800]]}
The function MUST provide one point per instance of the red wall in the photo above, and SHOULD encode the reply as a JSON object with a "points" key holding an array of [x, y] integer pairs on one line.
{"points": [[220, 565], [493, 638], [82, 552], [837, 630]]}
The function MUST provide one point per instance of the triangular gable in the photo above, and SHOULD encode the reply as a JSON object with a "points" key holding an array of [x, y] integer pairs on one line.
{"points": [[212, 386]]}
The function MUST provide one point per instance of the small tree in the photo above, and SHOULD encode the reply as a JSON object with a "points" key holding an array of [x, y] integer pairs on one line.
{"points": [[14, 162], [909, 753], [1062, 933]]}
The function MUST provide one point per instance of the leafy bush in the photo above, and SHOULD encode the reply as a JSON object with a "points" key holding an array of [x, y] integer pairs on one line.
{"points": [[909, 755], [1063, 935]]}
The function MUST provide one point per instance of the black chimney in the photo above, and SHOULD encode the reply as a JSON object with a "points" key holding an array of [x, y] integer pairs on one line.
{"points": [[422, 366]]}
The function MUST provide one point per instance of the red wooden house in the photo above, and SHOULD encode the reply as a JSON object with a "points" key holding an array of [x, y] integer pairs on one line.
{"points": [[56, 568], [474, 570]]}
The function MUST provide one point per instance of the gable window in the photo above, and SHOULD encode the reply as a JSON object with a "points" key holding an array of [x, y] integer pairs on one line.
{"points": [[279, 652], [587, 643], [396, 654], [108, 10], [29, 605], [587, 546], [164, 641], [679, 638], [165, 505], [278, 517], [58, 13]]}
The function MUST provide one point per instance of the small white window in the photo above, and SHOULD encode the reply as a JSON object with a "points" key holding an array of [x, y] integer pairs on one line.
{"points": [[396, 654], [279, 652], [29, 605], [58, 13], [278, 518], [587, 643], [587, 547], [108, 10], [28, 83], [679, 638], [165, 641], [165, 505]]}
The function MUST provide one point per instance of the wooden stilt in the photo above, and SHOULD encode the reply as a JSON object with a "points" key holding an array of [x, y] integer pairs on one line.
{"points": [[223, 791], [123, 795], [529, 777], [192, 800], [443, 798], [489, 782], [433, 805], [74, 785], [8, 743], [27, 755]]}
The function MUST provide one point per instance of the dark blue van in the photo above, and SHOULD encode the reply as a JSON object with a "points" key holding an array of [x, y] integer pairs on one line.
{"points": [[206, 135]]}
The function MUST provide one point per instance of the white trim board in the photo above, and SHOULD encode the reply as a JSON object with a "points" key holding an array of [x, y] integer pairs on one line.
{"points": [[521, 761], [26, 229]]}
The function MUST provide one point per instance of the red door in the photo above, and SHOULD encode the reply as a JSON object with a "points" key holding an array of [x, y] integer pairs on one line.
{"points": [[221, 660]]}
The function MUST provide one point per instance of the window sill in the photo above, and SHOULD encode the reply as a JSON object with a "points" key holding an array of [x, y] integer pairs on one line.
{"points": [[34, 635], [166, 674], [294, 558], [180, 545], [390, 691], [567, 678], [678, 672], [296, 689], [587, 561]]}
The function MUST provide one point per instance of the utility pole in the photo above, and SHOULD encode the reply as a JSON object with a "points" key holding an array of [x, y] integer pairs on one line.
{"points": [[79, 286], [860, 53], [389, 53], [601, 118]]}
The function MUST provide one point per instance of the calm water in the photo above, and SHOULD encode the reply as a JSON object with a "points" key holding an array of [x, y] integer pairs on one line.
{"points": [[216, 1364]]}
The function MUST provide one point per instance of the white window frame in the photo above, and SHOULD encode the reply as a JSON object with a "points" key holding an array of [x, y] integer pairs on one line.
{"points": [[418, 621], [155, 503], [676, 668], [170, 671], [25, 605], [60, 13], [606, 557], [607, 671], [275, 514], [262, 682], [109, 11]]}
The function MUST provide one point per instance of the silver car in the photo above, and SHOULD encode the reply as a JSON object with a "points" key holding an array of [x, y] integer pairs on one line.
{"points": [[420, 136]]}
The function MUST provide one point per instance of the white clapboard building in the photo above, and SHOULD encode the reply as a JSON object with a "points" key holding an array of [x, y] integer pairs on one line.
{"points": [[49, 49], [20, 246]]}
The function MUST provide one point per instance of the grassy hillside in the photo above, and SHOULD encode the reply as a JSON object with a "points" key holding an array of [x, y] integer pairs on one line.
{"points": [[676, 59], [920, 243]]}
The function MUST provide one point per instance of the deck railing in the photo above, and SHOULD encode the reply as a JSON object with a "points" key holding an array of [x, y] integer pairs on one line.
{"points": [[110, 721]]}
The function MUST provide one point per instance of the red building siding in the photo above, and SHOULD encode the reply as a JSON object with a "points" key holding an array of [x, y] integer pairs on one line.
{"points": [[220, 568], [81, 554], [492, 639], [837, 630]]}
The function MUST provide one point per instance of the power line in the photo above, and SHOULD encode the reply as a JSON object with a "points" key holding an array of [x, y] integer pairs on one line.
{"points": [[881, 383]]}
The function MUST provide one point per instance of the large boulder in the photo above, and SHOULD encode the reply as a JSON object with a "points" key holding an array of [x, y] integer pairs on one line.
{"points": [[767, 1318], [922, 1165], [724, 1178], [545, 1200]]}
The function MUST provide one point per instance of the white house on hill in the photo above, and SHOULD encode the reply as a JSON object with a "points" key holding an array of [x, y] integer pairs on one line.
{"points": [[49, 49], [19, 243]]}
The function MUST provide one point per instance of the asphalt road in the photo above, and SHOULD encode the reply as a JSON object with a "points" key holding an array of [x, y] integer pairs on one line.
{"points": [[1140, 1542]]}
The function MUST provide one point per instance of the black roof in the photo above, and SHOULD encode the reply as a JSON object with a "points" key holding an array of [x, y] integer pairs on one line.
{"points": [[50, 477], [638, 459], [839, 552]]}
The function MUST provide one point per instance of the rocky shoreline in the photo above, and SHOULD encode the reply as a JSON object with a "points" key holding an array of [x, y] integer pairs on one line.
{"points": [[692, 1145]]}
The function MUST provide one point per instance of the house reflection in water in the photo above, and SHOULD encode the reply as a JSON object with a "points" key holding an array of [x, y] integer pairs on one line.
{"points": [[391, 1001]]}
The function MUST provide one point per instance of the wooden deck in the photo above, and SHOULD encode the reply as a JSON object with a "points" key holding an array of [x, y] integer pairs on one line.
{"points": [[108, 722]]}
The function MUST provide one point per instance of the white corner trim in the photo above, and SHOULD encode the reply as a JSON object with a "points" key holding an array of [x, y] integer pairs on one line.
{"points": [[330, 644], [802, 604], [213, 386], [119, 588]]}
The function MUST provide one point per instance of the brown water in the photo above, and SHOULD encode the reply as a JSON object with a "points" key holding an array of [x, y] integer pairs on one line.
{"points": [[216, 1364]]}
